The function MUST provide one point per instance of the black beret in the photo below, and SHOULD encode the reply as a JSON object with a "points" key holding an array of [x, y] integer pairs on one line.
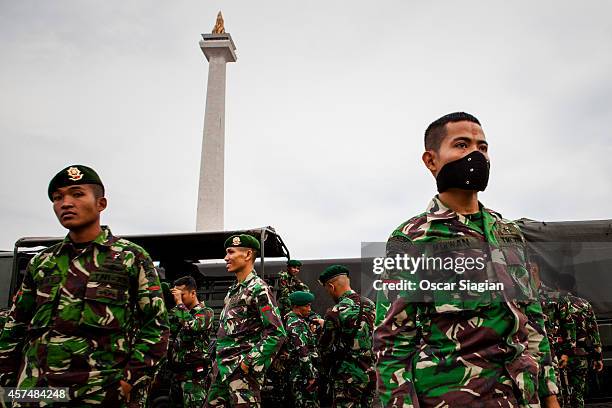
{"points": [[300, 298], [74, 175], [294, 262], [242, 240], [333, 271]]}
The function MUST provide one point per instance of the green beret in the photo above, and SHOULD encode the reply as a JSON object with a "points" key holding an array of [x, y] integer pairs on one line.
{"points": [[294, 262], [242, 240], [74, 175], [331, 272], [300, 298]]}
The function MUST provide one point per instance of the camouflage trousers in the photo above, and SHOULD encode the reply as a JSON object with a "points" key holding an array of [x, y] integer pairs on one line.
{"points": [[239, 390], [304, 396], [577, 369], [188, 390]]}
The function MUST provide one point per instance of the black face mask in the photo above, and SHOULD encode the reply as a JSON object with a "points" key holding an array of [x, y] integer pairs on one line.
{"points": [[471, 172]]}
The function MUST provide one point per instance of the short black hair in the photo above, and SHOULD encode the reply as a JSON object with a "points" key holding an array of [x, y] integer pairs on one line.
{"points": [[98, 190], [188, 281], [436, 130]]}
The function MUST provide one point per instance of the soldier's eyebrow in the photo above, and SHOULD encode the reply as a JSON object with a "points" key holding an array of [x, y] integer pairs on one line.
{"points": [[467, 140]]}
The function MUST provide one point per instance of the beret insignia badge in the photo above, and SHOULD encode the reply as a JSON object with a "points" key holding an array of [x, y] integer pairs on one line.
{"points": [[74, 174], [236, 241]]}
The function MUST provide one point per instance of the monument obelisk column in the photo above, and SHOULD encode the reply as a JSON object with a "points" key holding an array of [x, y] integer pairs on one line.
{"points": [[219, 49]]}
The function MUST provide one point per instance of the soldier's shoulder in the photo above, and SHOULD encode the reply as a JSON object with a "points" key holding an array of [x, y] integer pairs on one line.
{"points": [[410, 229], [124, 245], [45, 254], [257, 285]]}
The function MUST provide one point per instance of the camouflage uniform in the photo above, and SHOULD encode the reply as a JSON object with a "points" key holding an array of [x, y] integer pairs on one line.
{"points": [[85, 319], [433, 352], [560, 328], [250, 331], [346, 350], [303, 360], [587, 350], [286, 286], [190, 360]]}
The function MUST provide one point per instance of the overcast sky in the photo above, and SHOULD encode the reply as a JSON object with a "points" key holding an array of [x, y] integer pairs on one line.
{"points": [[325, 111]]}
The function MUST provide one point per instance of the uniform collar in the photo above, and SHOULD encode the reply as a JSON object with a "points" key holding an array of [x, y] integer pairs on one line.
{"points": [[104, 239], [437, 210], [245, 282], [346, 294]]}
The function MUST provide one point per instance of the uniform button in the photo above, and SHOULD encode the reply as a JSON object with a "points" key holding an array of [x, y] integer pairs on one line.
{"points": [[471, 169], [469, 159], [467, 181]]}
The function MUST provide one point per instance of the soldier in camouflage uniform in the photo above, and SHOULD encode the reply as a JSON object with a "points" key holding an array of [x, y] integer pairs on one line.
{"points": [[289, 283], [484, 350], [587, 352], [250, 330], [303, 354], [346, 341], [559, 324], [191, 326], [89, 314]]}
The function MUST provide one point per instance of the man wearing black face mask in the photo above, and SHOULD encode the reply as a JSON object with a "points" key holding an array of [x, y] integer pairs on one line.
{"points": [[457, 349]]}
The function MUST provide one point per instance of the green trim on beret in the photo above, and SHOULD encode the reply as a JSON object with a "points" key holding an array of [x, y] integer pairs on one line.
{"points": [[242, 240], [331, 272], [300, 298], [73, 175], [294, 262]]}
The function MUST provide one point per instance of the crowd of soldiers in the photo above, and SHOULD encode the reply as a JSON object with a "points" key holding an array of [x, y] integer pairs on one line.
{"points": [[573, 334], [91, 315]]}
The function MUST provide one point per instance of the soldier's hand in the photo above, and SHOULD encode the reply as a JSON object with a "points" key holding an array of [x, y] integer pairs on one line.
{"points": [[320, 321], [563, 361], [178, 296], [551, 402], [598, 365], [126, 388]]}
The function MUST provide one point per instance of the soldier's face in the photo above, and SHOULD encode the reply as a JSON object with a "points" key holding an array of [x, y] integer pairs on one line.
{"points": [[237, 259], [187, 296], [462, 138], [76, 207], [293, 270], [302, 310]]}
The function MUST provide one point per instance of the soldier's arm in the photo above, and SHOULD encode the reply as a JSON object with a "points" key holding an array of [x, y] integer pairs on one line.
{"points": [[395, 335], [201, 322], [595, 352], [539, 348], [150, 342], [13, 335], [273, 334], [329, 336]]}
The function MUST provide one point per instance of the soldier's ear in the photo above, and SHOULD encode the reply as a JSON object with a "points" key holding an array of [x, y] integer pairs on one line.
{"points": [[101, 203], [429, 159]]}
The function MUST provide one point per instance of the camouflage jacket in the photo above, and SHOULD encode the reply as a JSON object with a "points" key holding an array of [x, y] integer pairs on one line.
{"points": [[558, 320], [286, 286], [85, 318], [302, 347], [191, 330], [588, 342], [346, 340], [250, 328], [429, 348]]}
